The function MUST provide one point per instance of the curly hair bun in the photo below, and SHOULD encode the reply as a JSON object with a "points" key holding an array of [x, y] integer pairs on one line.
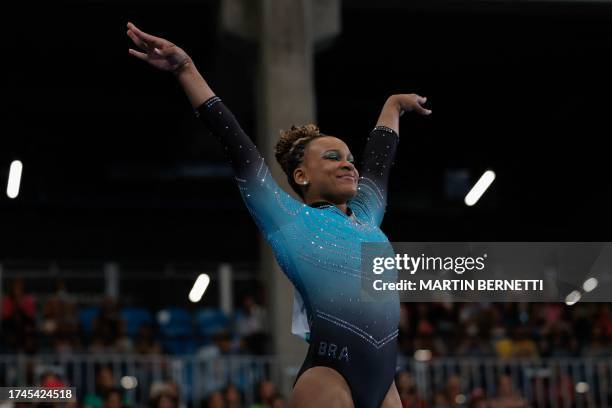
{"points": [[289, 149]]}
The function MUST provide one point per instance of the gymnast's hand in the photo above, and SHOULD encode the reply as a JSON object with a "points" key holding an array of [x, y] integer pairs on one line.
{"points": [[160, 53], [396, 105], [410, 103]]}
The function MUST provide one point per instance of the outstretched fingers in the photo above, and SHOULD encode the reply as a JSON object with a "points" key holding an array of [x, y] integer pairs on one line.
{"points": [[140, 43], [419, 106], [147, 38], [138, 54], [423, 111]]}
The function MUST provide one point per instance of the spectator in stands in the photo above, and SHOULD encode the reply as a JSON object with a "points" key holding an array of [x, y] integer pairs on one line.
{"points": [[122, 344], [580, 318], [524, 346], [478, 400], [502, 344], [427, 341], [108, 329], [558, 341], [50, 320], [18, 313], [67, 339], [251, 326], [450, 397], [266, 390], [564, 389], [278, 401], [113, 398], [164, 395], [506, 397], [215, 400], [426, 338], [222, 344], [453, 390], [145, 342], [472, 345], [407, 391], [599, 346], [105, 382], [232, 396], [50, 379], [59, 326], [603, 319], [174, 386], [445, 317], [441, 401]]}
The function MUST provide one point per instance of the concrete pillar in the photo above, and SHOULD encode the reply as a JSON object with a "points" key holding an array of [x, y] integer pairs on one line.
{"points": [[286, 32], [1, 288], [226, 288], [285, 92], [111, 279]]}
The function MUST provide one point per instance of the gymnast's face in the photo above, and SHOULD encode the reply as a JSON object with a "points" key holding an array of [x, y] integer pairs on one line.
{"points": [[329, 171]]}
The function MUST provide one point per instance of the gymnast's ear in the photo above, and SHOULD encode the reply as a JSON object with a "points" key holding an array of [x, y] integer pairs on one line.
{"points": [[299, 176]]}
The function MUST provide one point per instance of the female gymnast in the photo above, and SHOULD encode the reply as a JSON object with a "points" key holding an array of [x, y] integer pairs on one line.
{"points": [[351, 359]]}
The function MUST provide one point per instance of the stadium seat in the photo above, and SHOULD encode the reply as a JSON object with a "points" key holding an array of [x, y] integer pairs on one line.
{"points": [[135, 317], [175, 322], [179, 346], [86, 318], [210, 321]]}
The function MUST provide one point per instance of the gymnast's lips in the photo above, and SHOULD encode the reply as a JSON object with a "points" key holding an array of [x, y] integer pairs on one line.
{"points": [[350, 176]]}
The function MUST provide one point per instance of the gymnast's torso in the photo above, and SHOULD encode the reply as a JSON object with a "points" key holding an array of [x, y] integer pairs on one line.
{"points": [[318, 247]]}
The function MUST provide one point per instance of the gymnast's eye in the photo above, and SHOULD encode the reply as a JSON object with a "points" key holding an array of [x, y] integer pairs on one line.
{"points": [[335, 155], [332, 155]]}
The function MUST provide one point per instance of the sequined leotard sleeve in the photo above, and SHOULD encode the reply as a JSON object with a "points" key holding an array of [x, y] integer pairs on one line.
{"points": [[270, 205], [371, 199]]}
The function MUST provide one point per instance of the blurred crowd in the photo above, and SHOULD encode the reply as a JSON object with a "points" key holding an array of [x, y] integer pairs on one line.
{"points": [[109, 394], [163, 394], [428, 330], [451, 395], [506, 330], [59, 325]]}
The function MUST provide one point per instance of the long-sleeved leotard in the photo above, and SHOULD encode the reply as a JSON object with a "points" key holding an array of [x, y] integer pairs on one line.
{"points": [[319, 250]]}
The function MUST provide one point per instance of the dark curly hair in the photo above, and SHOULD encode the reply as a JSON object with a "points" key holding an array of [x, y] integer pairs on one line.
{"points": [[289, 150]]}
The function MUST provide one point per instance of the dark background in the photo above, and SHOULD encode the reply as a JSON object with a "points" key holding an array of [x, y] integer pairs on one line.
{"points": [[116, 166]]}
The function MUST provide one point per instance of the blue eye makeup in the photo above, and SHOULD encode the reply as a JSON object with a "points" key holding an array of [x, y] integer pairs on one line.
{"points": [[335, 155], [331, 155]]}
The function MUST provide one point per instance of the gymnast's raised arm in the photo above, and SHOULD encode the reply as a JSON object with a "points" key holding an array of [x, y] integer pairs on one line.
{"points": [[379, 153], [269, 204]]}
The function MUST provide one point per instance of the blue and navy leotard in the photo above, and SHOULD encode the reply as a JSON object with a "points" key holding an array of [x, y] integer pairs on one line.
{"points": [[318, 248]]}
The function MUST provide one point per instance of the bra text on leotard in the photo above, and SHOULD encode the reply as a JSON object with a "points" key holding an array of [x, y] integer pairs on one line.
{"points": [[330, 350]]}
